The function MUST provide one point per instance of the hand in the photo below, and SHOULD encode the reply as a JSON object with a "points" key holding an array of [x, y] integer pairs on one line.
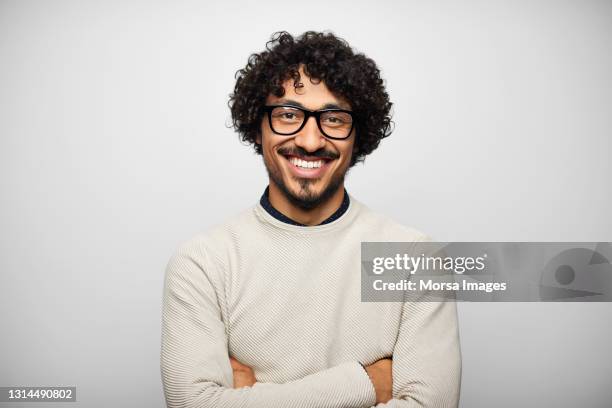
{"points": [[243, 374], [382, 379]]}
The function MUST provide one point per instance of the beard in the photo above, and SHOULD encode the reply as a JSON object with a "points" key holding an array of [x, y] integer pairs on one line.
{"points": [[306, 198]]}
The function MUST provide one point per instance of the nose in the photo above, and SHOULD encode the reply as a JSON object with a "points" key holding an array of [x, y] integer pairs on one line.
{"points": [[310, 137]]}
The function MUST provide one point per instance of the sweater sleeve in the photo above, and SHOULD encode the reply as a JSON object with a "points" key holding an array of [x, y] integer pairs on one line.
{"points": [[427, 357], [195, 366]]}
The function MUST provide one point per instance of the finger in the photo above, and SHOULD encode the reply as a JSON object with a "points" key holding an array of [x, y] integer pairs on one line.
{"points": [[237, 365]]}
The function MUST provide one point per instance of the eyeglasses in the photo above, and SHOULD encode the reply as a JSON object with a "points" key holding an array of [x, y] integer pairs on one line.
{"points": [[287, 120]]}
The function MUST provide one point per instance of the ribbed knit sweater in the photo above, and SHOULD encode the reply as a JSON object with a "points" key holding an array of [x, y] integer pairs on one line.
{"points": [[286, 301]]}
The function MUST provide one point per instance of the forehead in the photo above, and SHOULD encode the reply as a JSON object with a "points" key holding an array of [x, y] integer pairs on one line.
{"points": [[311, 95]]}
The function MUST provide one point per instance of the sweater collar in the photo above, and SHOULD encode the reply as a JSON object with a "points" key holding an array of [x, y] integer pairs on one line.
{"points": [[265, 203]]}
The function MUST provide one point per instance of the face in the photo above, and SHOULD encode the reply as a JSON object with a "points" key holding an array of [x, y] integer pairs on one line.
{"points": [[307, 167]]}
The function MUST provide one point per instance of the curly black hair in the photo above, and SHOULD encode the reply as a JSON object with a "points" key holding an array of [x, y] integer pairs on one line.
{"points": [[324, 57]]}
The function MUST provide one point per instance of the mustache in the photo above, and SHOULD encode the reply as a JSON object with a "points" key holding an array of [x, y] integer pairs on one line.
{"points": [[300, 152]]}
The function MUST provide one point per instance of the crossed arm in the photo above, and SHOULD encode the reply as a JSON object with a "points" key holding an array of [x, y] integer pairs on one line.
{"points": [[197, 371], [380, 374]]}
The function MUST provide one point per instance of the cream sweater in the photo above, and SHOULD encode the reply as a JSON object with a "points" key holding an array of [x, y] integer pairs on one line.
{"points": [[285, 300]]}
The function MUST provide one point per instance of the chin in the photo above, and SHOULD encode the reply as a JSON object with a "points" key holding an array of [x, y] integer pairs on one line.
{"points": [[308, 194]]}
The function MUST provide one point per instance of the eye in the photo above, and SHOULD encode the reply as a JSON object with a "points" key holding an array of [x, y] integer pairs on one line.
{"points": [[336, 119], [286, 114]]}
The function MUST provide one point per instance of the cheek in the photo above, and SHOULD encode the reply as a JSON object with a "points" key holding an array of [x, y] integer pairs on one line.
{"points": [[348, 151], [265, 140], [265, 136], [269, 146]]}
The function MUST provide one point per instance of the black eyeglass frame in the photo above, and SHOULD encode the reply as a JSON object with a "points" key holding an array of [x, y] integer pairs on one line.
{"points": [[307, 114]]}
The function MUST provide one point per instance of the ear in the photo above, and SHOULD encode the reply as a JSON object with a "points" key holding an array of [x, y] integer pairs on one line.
{"points": [[258, 138]]}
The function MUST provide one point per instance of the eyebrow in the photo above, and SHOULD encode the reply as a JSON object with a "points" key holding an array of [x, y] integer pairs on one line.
{"points": [[299, 105]]}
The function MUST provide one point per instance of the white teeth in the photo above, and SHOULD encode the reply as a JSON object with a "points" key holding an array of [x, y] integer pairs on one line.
{"points": [[306, 164]]}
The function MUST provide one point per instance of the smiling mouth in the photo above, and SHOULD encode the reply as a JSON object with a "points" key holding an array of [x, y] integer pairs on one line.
{"points": [[305, 164], [308, 164]]}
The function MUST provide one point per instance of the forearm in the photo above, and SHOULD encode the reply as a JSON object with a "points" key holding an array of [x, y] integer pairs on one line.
{"points": [[345, 385]]}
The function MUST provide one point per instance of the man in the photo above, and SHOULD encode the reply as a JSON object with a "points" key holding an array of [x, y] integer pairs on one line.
{"points": [[265, 309]]}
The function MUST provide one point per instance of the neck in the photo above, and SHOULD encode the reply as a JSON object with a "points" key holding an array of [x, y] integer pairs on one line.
{"points": [[313, 216]]}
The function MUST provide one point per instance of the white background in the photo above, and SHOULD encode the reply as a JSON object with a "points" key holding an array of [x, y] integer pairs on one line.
{"points": [[114, 148]]}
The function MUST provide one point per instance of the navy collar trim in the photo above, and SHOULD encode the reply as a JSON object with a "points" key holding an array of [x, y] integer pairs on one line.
{"points": [[265, 203]]}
